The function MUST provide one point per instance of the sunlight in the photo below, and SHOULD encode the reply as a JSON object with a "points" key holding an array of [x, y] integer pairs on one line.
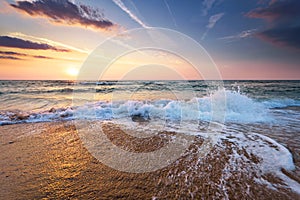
{"points": [[72, 71]]}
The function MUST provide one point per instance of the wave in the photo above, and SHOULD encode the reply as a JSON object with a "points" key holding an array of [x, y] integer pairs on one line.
{"points": [[195, 109], [105, 83], [98, 83], [281, 103], [63, 90], [235, 107]]}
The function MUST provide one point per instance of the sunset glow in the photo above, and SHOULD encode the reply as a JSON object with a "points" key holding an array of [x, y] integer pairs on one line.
{"points": [[72, 72], [37, 44]]}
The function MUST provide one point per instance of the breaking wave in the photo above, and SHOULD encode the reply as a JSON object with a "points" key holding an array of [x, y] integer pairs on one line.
{"points": [[235, 107]]}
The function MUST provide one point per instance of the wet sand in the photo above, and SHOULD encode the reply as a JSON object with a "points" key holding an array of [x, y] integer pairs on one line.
{"points": [[49, 161]]}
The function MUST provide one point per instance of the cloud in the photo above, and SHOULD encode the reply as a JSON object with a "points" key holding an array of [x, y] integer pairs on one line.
{"points": [[207, 5], [239, 36], [282, 18], [213, 20], [266, 1], [277, 10], [12, 53], [47, 41], [7, 41], [10, 57], [5, 7], [65, 12], [211, 23], [16, 56], [121, 5], [287, 36], [42, 57]]}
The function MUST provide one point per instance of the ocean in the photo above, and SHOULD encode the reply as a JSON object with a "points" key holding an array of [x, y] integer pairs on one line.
{"points": [[266, 102], [258, 120]]}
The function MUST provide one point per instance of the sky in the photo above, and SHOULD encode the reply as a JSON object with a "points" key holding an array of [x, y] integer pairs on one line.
{"points": [[54, 39]]}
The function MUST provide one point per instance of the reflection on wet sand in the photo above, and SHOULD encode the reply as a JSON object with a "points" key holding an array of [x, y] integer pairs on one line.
{"points": [[48, 160]]}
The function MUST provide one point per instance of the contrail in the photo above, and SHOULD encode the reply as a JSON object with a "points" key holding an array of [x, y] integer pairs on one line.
{"points": [[125, 9], [136, 9], [171, 14]]}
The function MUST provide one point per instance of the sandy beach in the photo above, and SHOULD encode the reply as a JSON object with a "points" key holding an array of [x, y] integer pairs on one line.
{"points": [[158, 100], [49, 161]]}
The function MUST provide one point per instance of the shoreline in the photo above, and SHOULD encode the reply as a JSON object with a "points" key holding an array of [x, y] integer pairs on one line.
{"points": [[48, 160]]}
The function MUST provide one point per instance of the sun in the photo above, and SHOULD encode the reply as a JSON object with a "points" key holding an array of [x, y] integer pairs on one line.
{"points": [[72, 71]]}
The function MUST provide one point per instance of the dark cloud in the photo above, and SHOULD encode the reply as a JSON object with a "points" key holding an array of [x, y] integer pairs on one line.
{"points": [[42, 57], [282, 36], [16, 56], [283, 19], [10, 57], [12, 53], [7, 41], [278, 10], [65, 12]]}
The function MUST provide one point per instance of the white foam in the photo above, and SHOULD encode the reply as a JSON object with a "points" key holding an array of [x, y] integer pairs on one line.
{"points": [[273, 157], [221, 106], [281, 103], [235, 107]]}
